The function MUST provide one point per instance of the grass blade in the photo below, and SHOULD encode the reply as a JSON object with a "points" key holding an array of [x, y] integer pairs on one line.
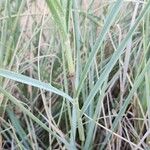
{"points": [[27, 80]]}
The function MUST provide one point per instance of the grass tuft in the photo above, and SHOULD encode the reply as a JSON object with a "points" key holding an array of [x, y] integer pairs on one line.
{"points": [[74, 74]]}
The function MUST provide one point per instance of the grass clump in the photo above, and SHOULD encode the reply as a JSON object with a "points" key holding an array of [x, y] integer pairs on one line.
{"points": [[74, 74]]}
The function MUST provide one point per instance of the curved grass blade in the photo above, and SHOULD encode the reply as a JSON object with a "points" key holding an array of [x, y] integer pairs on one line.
{"points": [[36, 83]]}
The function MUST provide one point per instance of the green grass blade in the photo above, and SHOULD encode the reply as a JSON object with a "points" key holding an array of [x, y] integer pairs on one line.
{"points": [[19, 130], [27, 80], [78, 65], [60, 20], [58, 15]]}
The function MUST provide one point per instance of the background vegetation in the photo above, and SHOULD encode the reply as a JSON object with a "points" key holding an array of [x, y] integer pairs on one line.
{"points": [[74, 74]]}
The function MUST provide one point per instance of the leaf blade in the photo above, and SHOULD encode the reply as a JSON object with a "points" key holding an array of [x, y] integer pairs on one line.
{"points": [[36, 83]]}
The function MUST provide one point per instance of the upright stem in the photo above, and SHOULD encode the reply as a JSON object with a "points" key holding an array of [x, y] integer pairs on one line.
{"points": [[71, 67]]}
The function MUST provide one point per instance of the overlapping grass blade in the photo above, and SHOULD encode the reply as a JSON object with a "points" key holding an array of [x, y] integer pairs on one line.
{"points": [[109, 20], [113, 60], [27, 112], [137, 83]]}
